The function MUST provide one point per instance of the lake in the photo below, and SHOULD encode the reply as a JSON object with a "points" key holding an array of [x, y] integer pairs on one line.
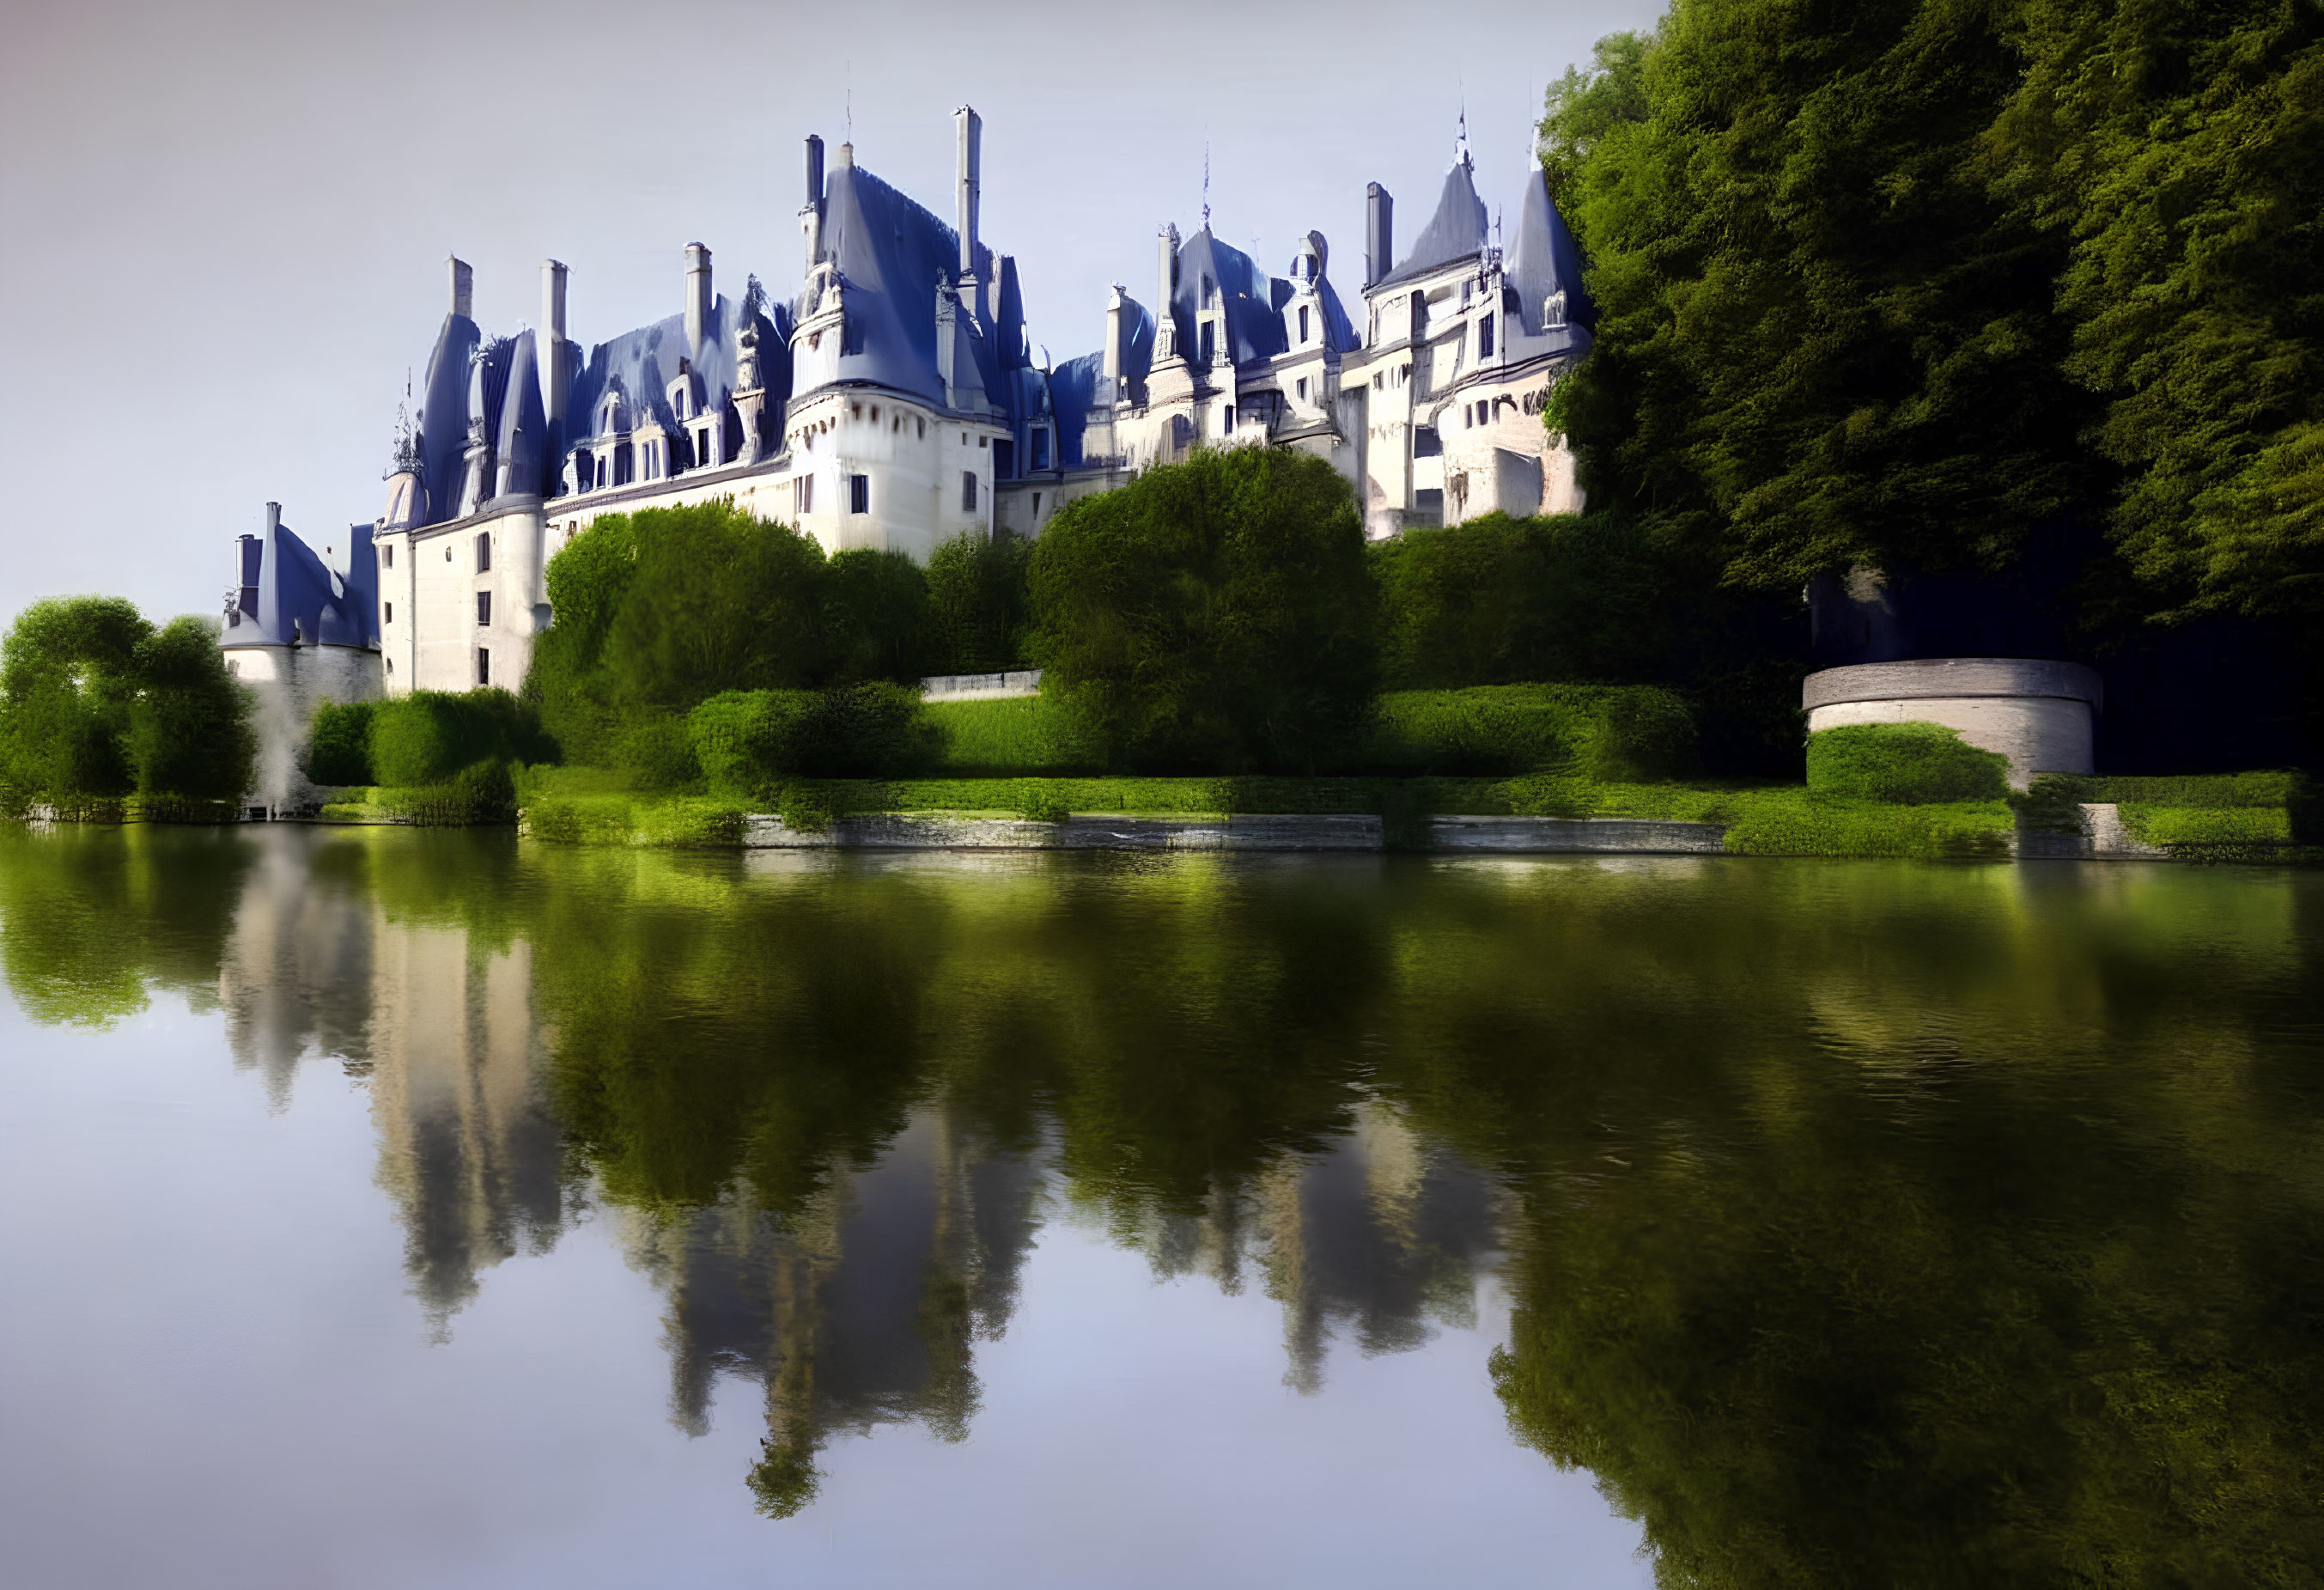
{"points": [[387, 1207]]}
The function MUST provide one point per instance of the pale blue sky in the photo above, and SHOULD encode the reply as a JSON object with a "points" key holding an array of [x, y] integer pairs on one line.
{"points": [[226, 224]]}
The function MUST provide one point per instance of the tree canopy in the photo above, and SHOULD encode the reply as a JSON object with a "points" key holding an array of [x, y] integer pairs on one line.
{"points": [[97, 703], [1215, 613], [1910, 283]]}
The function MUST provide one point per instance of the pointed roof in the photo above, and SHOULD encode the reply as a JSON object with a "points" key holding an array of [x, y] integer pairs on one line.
{"points": [[1547, 260], [1455, 231]]}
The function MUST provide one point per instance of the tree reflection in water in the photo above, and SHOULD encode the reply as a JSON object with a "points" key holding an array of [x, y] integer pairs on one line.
{"points": [[1864, 1223]]}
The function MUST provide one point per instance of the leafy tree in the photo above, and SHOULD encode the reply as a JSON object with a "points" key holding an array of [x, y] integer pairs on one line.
{"points": [[96, 702], [875, 613], [189, 729], [68, 673], [431, 736], [1496, 600], [1822, 338], [719, 600], [2178, 150], [339, 745], [658, 610], [1217, 614], [979, 603]]}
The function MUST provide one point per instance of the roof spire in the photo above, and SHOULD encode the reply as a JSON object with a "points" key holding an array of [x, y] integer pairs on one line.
{"points": [[1206, 183], [1460, 138]]}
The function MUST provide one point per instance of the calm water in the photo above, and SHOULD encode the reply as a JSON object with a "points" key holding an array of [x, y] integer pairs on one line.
{"points": [[387, 1208]]}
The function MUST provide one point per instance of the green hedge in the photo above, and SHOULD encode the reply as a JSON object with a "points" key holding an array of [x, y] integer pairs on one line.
{"points": [[481, 796], [1608, 733], [747, 742], [1903, 765], [428, 738]]}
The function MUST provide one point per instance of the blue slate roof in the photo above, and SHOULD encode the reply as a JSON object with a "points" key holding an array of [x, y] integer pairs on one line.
{"points": [[285, 596], [1547, 260], [1454, 233]]}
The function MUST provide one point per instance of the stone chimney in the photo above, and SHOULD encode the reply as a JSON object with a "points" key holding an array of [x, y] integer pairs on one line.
{"points": [[811, 212], [1166, 318], [697, 295], [1379, 234], [556, 358], [463, 289], [969, 162]]}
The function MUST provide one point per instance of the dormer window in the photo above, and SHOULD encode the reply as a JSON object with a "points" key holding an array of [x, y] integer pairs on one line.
{"points": [[1303, 323], [1553, 310]]}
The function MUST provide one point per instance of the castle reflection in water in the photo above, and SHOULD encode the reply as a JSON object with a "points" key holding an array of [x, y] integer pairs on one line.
{"points": [[862, 1300]]}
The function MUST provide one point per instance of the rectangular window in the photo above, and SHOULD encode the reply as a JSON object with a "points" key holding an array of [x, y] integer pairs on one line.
{"points": [[387, 556], [484, 552], [1303, 389], [484, 607], [1040, 447], [1229, 417], [1303, 322], [1485, 337], [484, 666], [968, 491], [390, 608], [859, 494], [1210, 342], [803, 494]]}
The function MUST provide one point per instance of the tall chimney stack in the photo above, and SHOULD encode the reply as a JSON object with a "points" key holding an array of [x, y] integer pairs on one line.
{"points": [[463, 289], [1379, 234], [697, 295], [557, 357], [970, 163], [811, 212], [1166, 317], [552, 297]]}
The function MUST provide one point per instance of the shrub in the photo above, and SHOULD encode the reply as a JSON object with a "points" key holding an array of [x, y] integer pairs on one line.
{"points": [[1496, 600], [1217, 614], [1010, 734], [749, 742], [338, 746], [718, 600], [428, 736], [875, 611], [1612, 733], [1905, 764], [979, 603], [96, 703]]}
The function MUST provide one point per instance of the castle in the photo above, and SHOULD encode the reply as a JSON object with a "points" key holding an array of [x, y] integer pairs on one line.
{"points": [[894, 401]]}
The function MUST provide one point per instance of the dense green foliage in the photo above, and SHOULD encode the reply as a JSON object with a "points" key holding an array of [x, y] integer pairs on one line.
{"points": [[1499, 601], [979, 605], [1899, 285], [431, 736], [1905, 764], [1216, 614], [660, 611], [750, 742], [339, 745], [1009, 734], [97, 703], [2178, 150], [1613, 733]]}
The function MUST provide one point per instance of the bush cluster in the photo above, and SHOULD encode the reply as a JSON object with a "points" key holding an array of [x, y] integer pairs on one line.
{"points": [[660, 611], [426, 739], [751, 743], [1903, 765], [97, 704]]}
